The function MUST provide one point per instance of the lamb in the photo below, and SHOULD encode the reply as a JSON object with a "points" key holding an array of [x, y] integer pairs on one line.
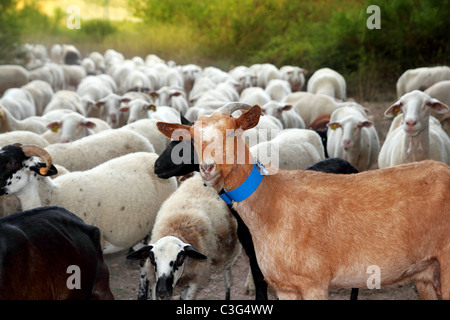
{"points": [[294, 75], [329, 82], [12, 76], [285, 113], [416, 135], [41, 92], [315, 252], [122, 203], [278, 89], [351, 136], [9, 123], [91, 151], [421, 79], [191, 235], [19, 103], [290, 149]]}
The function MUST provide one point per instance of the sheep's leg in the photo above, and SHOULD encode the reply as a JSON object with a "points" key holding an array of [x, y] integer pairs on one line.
{"points": [[143, 283], [189, 292], [227, 276]]}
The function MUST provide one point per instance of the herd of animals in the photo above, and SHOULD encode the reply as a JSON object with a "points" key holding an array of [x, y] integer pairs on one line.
{"points": [[88, 167]]}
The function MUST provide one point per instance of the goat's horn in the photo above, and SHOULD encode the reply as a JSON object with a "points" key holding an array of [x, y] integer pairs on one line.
{"points": [[32, 150], [231, 107]]}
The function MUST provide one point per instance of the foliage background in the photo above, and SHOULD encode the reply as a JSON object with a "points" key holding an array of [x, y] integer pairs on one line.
{"points": [[225, 33]]}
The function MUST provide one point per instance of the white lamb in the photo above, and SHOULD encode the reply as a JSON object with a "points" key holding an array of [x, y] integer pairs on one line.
{"points": [[421, 78], [352, 137], [291, 149], [90, 151], [415, 135], [191, 237], [285, 113], [121, 197], [329, 82]]}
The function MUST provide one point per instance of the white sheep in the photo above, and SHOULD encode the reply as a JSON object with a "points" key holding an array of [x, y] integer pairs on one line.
{"points": [[254, 95], [421, 78], [191, 237], [41, 92], [19, 102], [352, 137], [190, 73], [309, 105], [67, 100], [9, 123], [285, 113], [265, 72], [329, 82], [23, 137], [278, 89], [90, 151], [415, 135], [73, 126], [12, 76], [121, 197], [73, 74], [294, 75], [93, 88], [51, 73], [290, 149], [147, 128], [174, 97], [135, 80], [245, 77]]}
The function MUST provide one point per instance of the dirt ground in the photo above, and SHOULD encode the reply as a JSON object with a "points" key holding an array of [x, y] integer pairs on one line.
{"points": [[124, 281], [125, 277]]}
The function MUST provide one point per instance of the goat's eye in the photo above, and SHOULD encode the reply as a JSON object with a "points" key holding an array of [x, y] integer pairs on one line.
{"points": [[13, 164]]}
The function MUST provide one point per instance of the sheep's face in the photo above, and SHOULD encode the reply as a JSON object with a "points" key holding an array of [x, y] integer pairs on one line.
{"points": [[350, 127], [169, 257], [415, 106]]}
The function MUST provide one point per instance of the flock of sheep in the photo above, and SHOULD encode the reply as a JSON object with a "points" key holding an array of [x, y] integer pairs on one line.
{"points": [[96, 117]]}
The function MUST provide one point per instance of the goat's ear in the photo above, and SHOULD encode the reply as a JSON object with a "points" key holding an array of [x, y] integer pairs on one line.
{"points": [[142, 253], [438, 106], [40, 165], [174, 130], [194, 253], [393, 110], [249, 119], [184, 120]]}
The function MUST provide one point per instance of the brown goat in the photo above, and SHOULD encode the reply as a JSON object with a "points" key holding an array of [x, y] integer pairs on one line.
{"points": [[313, 231], [320, 122]]}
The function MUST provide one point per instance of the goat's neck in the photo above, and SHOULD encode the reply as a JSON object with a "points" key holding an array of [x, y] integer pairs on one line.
{"points": [[238, 174], [417, 147]]}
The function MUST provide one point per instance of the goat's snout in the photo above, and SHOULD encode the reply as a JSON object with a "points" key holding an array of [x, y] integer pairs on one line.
{"points": [[207, 168]]}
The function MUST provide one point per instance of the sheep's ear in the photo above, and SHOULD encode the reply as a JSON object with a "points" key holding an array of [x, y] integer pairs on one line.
{"points": [[194, 253], [438, 106], [393, 110], [40, 165], [249, 119], [88, 124], [174, 130], [366, 124], [141, 254]]}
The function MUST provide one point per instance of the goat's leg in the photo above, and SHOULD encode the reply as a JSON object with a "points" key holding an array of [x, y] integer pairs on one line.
{"points": [[444, 266]]}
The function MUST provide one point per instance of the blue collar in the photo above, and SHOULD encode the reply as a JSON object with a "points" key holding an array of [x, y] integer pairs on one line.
{"points": [[245, 189]]}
